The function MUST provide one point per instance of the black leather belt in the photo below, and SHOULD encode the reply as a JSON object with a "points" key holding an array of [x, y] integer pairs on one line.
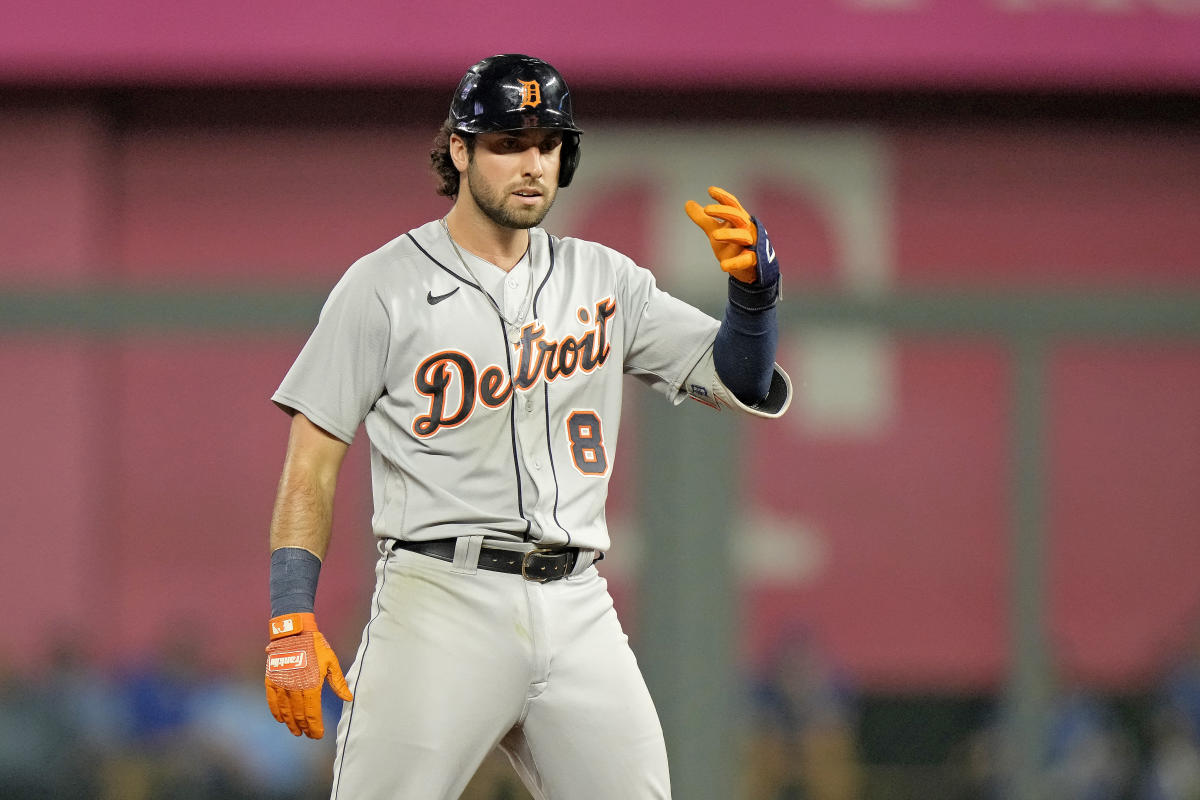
{"points": [[538, 565]]}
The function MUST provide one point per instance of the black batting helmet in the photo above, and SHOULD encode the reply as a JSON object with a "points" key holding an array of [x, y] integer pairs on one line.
{"points": [[511, 92]]}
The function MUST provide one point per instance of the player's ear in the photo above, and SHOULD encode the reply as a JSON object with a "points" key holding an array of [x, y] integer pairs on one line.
{"points": [[460, 152]]}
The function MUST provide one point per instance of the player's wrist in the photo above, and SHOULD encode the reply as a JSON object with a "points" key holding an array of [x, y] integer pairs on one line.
{"points": [[753, 297], [294, 574]]}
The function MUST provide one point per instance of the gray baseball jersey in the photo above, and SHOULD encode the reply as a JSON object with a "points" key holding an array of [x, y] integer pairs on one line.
{"points": [[492, 399]]}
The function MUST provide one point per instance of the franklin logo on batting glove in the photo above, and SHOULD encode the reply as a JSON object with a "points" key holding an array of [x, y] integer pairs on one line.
{"points": [[297, 660]]}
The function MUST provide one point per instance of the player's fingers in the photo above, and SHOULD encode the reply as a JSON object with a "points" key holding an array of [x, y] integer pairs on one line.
{"points": [[745, 275], [738, 236], [300, 709], [279, 704], [745, 260], [734, 216], [331, 670], [728, 241], [724, 198], [272, 701], [337, 682], [696, 212], [292, 706], [314, 723], [284, 707]]}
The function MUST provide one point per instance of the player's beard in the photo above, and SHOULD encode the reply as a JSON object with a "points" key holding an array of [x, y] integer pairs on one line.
{"points": [[495, 202]]}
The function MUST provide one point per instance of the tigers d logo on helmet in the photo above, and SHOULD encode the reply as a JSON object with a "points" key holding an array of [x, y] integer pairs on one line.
{"points": [[531, 94]]}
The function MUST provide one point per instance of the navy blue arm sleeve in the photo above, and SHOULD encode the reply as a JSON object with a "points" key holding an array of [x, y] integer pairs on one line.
{"points": [[744, 350]]}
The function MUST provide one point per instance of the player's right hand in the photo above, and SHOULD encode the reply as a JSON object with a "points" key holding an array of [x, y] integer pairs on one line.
{"points": [[298, 662], [738, 240]]}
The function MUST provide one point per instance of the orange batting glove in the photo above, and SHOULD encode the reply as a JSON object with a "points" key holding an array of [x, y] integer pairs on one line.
{"points": [[731, 231], [298, 662]]}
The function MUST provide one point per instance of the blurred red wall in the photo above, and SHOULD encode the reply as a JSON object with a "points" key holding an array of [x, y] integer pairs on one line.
{"points": [[141, 469]]}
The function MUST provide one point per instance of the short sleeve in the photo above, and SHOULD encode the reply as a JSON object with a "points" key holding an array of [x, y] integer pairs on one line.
{"points": [[339, 374], [665, 336]]}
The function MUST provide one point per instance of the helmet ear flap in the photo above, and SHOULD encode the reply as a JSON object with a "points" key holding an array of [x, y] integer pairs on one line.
{"points": [[569, 159]]}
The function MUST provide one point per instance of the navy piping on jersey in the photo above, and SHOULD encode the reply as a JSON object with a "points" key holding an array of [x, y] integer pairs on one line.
{"points": [[512, 432], [546, 403], [512, 416], [440, 264], [362, 665], [550, 456]]}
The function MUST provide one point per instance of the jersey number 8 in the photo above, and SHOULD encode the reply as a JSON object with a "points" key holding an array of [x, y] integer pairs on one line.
{"points": [[587, 443]]}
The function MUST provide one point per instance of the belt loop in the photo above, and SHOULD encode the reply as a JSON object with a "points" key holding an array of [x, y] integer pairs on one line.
{"points": [[466, 554]]}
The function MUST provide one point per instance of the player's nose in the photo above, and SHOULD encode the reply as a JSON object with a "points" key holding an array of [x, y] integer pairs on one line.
{"points": [[531, 162]]}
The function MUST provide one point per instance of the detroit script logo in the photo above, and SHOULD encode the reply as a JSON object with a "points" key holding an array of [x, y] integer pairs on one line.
{"points": [[449, 372]]}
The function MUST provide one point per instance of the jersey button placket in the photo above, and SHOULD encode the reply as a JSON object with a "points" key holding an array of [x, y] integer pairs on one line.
{"points": [[513, 295], [531, 441]]}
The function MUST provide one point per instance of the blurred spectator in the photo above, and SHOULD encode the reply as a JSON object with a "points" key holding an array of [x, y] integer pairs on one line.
{"points": [[157, 697], [56, 726], [1088, 753], [1180, 696], [1090, 756], [1173, 771], [247, 752], [35, 746], [803, 743]]}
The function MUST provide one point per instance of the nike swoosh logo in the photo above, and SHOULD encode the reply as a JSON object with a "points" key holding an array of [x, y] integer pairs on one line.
{"points": [[433, 299]]}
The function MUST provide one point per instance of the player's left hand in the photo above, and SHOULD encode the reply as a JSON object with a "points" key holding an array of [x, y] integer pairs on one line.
{"points": [[739, 241], [298, 662]]}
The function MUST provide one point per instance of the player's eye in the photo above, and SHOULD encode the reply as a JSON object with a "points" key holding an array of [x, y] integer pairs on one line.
{"points": [[550, 143]]}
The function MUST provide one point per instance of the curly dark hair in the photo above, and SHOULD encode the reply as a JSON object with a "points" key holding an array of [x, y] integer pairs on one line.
{"points": [[443, 165]]}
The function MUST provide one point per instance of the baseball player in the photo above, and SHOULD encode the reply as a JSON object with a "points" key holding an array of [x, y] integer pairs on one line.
{"points": [[486, 359]]}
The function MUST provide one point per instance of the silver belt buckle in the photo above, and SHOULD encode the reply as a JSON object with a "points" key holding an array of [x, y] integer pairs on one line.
{"points": [[525, 564]]}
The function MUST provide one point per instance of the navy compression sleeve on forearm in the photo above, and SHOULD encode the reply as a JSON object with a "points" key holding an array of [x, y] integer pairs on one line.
{"points": [[294, 573], [744, 350]]}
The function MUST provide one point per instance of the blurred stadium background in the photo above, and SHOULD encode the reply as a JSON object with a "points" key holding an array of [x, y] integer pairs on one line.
{"points": [[965, 565]]}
